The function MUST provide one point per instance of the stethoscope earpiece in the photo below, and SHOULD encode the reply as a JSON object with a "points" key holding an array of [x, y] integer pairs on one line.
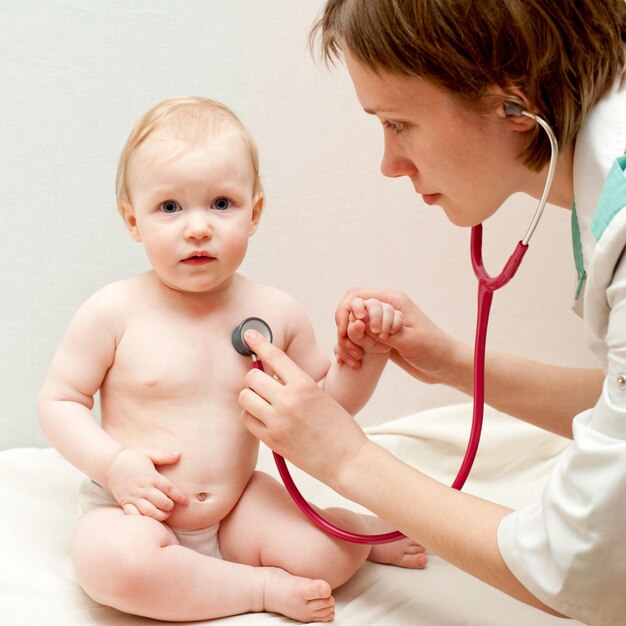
{"points": [[513, 108], [250, 323]]}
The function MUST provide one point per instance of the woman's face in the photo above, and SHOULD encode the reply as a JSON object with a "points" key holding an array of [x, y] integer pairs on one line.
{"points": [[456, 157]]}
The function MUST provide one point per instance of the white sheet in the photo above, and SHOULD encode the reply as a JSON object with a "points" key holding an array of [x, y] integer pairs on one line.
{"points": [[38, 510]]}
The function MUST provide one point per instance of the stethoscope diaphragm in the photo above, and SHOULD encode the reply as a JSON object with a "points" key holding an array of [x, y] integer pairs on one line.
{"points": [[250, 323]]}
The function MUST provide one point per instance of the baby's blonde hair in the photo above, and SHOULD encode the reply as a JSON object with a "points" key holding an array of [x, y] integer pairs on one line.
{"points": [[192, 118]]}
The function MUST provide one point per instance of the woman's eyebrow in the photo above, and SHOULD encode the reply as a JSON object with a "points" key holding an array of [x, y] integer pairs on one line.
{"points": [[379, 110]]}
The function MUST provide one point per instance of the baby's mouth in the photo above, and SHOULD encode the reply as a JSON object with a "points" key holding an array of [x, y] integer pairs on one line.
{"points": [[198, 258]]}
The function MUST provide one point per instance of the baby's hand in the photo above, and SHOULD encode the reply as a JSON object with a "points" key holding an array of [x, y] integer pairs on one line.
{"points": [[139, 487], [370, 323]]}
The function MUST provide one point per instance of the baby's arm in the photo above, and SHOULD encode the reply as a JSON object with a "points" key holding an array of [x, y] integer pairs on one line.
{"points": [[65, 402], [361, 355]]}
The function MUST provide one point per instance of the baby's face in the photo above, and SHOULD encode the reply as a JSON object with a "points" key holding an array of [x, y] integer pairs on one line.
{"points": [[193, 208]]}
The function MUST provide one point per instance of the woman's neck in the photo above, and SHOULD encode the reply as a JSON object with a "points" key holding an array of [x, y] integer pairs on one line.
{"points": [[562, 191]]}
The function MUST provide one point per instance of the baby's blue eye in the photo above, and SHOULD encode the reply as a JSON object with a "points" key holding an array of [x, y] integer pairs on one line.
{"points": [[170, 206], [221, 204]]}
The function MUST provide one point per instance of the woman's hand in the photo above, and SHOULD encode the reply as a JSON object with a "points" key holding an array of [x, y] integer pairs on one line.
{"points": [[294, 417], [418, 346], [139, 488]]}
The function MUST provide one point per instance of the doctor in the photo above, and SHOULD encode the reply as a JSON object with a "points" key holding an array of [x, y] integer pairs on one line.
{"points": [[437, 74]]}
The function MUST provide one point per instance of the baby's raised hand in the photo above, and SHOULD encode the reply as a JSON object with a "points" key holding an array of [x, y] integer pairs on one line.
{"points": [[139, 488], [370, 323]]}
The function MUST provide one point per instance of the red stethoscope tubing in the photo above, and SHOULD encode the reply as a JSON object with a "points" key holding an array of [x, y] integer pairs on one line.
{"points": [[311, 513], [486, 286]]}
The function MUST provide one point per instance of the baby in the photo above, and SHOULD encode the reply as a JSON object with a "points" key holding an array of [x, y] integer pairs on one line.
{"points": [[177, 523]]}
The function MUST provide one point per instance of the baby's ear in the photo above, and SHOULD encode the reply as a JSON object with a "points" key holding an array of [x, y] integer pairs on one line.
{"points": [[257, 209], [130, 220]]}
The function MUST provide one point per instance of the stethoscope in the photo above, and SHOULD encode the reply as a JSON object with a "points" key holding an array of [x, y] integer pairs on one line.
{"points": [[486, 286]]}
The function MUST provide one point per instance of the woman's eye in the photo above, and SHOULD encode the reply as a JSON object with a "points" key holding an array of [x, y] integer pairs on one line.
{"points": [[221, 204], [396, 127], [170, 206]]}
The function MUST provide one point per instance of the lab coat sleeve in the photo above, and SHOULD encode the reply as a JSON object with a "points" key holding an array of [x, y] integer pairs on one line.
{"points": [[569, 549]]}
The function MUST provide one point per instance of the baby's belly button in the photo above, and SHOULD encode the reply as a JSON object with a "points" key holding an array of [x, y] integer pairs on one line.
{"points": [[202, 496]]}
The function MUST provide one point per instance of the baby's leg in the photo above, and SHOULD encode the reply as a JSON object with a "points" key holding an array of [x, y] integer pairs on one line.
{"points": [[402, 553], [267, 528], [136, 565]]}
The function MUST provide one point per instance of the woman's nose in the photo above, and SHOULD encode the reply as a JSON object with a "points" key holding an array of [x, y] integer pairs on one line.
{"points": [[395, 164]]}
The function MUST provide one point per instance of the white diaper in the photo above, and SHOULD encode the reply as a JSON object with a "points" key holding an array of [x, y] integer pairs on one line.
{"points": [[203, 540]]}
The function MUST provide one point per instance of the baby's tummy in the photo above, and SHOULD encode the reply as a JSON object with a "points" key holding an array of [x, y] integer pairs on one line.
{"points": [[211, 471], [212, 489], [208, 504]]}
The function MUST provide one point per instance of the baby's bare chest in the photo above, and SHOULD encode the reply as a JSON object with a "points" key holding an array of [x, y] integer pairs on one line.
{"points": [[194, 362]]}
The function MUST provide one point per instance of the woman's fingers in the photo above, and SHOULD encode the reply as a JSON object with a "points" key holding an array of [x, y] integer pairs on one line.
{"points": [[255, 407], [271, 356]]}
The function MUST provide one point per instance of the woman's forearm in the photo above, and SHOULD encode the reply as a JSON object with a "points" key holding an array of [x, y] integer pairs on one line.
{"points": [[548, 396]]}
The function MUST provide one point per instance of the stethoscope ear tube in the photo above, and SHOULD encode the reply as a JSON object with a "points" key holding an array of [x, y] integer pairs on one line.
{"points": [[492, 283], [554, 155]]}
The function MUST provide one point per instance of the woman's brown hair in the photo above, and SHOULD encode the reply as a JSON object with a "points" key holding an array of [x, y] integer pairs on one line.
{"points": [[563, 55]]}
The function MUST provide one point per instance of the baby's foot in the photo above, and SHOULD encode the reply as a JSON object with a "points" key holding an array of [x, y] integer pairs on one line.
{"points": [[302, 599], [402, 553]]}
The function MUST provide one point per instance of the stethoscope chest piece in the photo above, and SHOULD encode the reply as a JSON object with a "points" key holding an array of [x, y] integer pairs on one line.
{"points": [[250, 323]]}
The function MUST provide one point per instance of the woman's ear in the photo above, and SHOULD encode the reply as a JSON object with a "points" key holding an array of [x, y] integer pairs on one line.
{"points": [[257, 209], [509, 106], [130, 220]]}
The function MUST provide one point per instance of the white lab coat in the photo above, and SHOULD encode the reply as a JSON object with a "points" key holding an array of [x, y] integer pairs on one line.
{"points": [[569, 549]]}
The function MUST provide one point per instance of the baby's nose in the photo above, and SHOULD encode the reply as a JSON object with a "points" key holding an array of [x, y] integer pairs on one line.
{"points": [[198, 227]]}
